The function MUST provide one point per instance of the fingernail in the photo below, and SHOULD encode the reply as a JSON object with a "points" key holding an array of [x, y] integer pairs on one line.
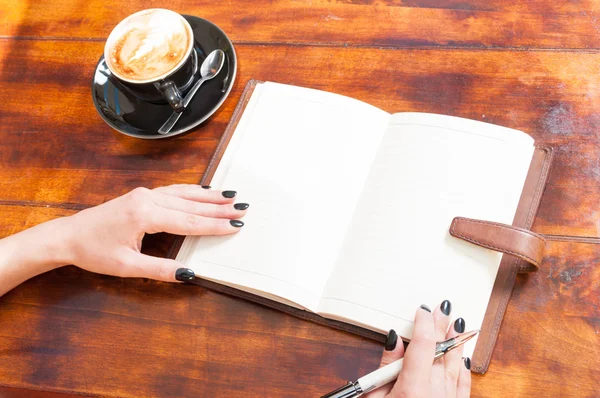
{"points": [[236, 223], [446, 307], [426, 308], [229, 194], [184, 274], [206, 186], [392, 339], [459, 325], [468, 363], [241, 206]]}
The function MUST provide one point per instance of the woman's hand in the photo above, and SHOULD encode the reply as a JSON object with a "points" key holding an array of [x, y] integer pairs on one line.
{"points": [[449, 376], [107, 238]]}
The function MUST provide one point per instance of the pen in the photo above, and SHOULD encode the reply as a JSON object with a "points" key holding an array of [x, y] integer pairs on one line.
{"points": [[390, 372]]}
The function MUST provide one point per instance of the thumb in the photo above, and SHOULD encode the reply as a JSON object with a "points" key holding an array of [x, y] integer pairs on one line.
{"points": [[160, 269], [394, 350]]}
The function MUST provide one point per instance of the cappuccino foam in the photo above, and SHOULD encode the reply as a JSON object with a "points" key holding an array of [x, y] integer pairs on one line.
{"points": [[148, 45]]}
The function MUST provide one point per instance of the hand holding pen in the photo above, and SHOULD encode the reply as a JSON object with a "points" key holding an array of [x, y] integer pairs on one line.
{"points": [[418, 373]]}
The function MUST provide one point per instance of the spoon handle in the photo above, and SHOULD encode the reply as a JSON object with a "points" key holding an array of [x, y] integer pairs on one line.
{"points": [[172, 120], [190, 95]]}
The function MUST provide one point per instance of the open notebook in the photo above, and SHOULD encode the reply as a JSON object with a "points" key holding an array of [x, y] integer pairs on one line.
{"points": [[350, 208]]}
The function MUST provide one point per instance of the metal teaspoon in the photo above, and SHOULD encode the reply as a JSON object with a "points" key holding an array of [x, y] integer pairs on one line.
{"points": [[209, 69]]}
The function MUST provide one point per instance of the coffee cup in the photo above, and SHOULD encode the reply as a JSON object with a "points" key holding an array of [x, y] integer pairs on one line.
{"points": [[151, 53]]}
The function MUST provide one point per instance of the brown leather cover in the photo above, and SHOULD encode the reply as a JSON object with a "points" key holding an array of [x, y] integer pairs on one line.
{"points": [[509, 267], [507, 239]]}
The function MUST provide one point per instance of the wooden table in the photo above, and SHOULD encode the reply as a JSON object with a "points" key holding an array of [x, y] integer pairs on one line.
{"points": [[532, 65]]}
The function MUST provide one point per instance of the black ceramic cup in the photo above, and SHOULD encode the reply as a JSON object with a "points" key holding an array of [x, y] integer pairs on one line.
{"points": [[164, 71]]}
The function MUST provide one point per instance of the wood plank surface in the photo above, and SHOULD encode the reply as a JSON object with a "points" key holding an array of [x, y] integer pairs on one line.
{"points": [[390, 23], [184, 340], [530, 65], [7, 392]]}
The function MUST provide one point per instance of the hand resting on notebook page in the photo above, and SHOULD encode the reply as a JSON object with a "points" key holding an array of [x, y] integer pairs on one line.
{"points": [[107, 238], [448, 377]]}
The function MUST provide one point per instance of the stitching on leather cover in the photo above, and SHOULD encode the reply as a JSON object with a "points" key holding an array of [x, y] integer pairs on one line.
{"points": [[540, 186], [501, 226], [452, 229]]}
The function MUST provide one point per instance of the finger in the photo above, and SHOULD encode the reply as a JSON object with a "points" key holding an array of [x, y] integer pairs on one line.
{"points": [[394, 350], [463, 390], [138, 265], [181, 223], [416, 372], [453, 359], [198, 194], [441, 321], [229, 210]]}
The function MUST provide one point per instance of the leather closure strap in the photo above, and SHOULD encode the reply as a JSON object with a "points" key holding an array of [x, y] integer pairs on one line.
{"points": [[503, 238]]}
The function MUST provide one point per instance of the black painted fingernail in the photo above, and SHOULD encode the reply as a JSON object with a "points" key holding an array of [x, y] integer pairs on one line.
{"points": [[392, 339], [446, 307], [241, 206], [236, 223], [229, 194], [206, 186], [426, 308], [459, 325], [468, 363], [184, 274]]}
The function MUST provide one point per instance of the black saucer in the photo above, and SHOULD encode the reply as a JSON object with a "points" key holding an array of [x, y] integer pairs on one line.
{"points": [[131, 116]]}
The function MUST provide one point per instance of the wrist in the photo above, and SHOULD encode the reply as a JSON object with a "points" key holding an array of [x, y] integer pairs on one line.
{"points": [[55, 242], [40, 248], [33, 252]]}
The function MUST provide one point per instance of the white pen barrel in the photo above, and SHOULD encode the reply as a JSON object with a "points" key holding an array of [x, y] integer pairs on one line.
{"points": [[381, 376]]}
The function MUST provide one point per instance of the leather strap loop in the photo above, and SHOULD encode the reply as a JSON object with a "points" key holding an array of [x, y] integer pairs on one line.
{"points": [[503, 238]]}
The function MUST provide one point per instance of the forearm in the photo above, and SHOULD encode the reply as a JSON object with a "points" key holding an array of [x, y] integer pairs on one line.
{"points": [[32, 252], [107, 238]]}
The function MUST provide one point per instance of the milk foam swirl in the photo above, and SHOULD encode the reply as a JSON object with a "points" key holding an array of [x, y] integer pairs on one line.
{"points": [[148, 45]]}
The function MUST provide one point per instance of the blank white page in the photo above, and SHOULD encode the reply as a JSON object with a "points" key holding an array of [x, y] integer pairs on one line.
{"points": [[398, 253], [300, 158]]}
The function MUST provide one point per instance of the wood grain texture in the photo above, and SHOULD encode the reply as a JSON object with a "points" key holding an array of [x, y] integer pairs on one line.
{"points": [[374, 23], [184, 340], [16, 218], [530, 65], [7, 392], [550, 336]]}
